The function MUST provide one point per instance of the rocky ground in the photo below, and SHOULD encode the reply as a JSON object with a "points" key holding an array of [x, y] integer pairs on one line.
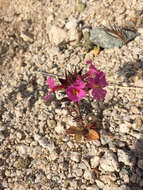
{"points": [[35, 152]]}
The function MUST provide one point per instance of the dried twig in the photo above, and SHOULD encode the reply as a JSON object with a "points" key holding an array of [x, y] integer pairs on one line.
{"points": [[126, 87]]}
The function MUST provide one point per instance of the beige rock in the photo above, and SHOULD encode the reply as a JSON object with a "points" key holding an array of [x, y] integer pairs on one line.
{"points": [[57, 35]]}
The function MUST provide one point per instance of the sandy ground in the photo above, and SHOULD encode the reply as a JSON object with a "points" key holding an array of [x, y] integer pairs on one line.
{"points": [[35, 152]]}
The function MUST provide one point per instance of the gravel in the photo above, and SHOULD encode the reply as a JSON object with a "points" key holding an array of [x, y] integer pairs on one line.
{"points": [[42, 37]]}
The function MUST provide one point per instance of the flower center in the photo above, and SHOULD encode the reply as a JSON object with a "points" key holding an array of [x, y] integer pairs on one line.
{"points": [[96, 86], [50, 90], [75, 92]]}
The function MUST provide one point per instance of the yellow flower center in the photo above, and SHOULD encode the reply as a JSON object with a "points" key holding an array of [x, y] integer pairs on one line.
{"points": [[75, 92], [96, 86], [50, 90]]}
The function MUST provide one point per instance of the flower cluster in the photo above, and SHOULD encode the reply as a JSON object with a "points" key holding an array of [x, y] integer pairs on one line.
{"points": [[77, 84]]}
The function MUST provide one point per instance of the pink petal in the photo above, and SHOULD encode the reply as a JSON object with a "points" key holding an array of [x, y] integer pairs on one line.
{"points": [[50, 82], [99, 94]]}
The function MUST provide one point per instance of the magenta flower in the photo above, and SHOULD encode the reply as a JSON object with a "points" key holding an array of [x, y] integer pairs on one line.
{"points": [[75, 92], [97, 84], [50, 82], [92, 72], [52, 88]]}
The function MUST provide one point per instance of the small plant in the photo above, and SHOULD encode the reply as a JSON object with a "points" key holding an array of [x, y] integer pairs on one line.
{"points": [[76, 86]]}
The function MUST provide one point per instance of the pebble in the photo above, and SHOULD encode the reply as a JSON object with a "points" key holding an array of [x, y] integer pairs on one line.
{"points": [[59, 128], [141, 183], [1, 135], [94, 161], [104, 137], [43, 142], [100, 184], [70, 144], [87, 175], [123, 157], [78, 172], [53, 155], [124, 128], [92, 187], [140, 164], [109, 162], [19, 135], [22, 149], [124, 187], [135, 134], [75, 156], [54, 35]]}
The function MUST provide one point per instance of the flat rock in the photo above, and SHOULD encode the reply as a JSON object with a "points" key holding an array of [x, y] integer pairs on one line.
{"points": [[57, 35], [109, 162]]}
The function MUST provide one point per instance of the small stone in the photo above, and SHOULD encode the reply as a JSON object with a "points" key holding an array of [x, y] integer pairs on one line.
{"points": [[83, 166], [2, 135], [53, 155], [71, 24], [87, 175], [22, 163], [27, 36], [135, 134], [94, 161], [123, 187], [104, 137], [124, 128], [36, 137], [80, 7], [57, 35], [124, 175], [59, 128], [123, 157], [19, 135], [141, 183], [140, 164], [43, 142], [22, 149], [109, 162], [75, 156], [78, 172], [51, 147], [100, 184], [70, 144], [51, 123], [19, 187], [92, 187]]}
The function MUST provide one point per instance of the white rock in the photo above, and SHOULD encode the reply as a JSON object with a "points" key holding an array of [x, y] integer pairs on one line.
{"points": [[94, 161], [100, 184], [59, 128], [19, 135], [109, 162], [71, 24], [124, 128], [78, 172], [93, 187], [140, 164], [22, 149], [43, 142], [137, 135], [123, 157], [36, 137], [53, 155], [75, 156], [87, 175], [83, 166], [57, 35], [123, 187], [70, 144], [50, 146]]}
